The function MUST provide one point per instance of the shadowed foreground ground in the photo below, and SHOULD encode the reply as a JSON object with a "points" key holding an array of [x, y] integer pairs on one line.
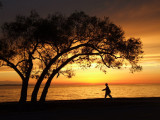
{"points": [[88, 109]]}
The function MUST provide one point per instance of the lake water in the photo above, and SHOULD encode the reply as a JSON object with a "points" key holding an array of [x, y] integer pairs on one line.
{"points": [[70, 92]]}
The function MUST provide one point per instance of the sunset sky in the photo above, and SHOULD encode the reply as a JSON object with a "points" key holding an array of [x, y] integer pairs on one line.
{"points": [[138, 18]]}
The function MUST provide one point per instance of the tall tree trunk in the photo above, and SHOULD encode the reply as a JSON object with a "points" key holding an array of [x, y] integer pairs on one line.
{"points": [[35, 91], [23, 97], [45, 90], [38, 84], [39, 81]]}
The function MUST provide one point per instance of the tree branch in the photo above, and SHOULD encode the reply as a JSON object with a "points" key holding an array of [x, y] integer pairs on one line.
{"points": [[104, 61], [20, 62], [12, 66]]}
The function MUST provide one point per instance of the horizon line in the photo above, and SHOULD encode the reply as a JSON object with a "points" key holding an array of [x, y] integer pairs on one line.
{"points": [[32, 84]]}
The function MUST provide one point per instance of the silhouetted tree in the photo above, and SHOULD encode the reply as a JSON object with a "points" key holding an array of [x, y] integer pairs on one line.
{"points": [[17, 47], [41, 47], [84, 39]]}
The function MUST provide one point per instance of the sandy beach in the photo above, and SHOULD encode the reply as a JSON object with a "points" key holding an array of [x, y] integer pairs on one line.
{"points": [[87, 109]]}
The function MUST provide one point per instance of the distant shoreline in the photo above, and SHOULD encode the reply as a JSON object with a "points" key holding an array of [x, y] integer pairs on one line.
{"points": [[10, 84], [19, 84]]}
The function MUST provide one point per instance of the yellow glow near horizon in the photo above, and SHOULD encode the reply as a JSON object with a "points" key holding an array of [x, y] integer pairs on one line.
{"points": [[149, 74]]}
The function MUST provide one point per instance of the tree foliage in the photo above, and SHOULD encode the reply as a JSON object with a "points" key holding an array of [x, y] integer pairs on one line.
{"points": [[18, 45], [43, 47]]}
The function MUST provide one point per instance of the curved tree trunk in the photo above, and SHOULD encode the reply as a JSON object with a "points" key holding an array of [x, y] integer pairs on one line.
{"points": [[38, 84], [35, 91], [45, 90], [39, 81], [23, 97]]}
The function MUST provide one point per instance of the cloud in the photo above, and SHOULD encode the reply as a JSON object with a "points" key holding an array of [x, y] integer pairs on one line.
{"points": [[152, 60], [2, 69], [9, 82], [132, 8]]}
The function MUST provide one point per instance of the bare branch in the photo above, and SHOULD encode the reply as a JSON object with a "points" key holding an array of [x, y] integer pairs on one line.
{"points": [[12, 66], [20, 62], [104, 61]]}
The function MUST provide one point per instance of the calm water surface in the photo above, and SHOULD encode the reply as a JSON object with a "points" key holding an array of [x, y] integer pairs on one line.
{"points": [[69, 92]]}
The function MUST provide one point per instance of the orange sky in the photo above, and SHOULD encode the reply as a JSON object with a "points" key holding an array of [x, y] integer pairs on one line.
{"points": [[138, 19]]}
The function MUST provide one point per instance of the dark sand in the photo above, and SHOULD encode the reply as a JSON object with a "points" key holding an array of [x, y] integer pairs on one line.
{"points": [[88, 109]]}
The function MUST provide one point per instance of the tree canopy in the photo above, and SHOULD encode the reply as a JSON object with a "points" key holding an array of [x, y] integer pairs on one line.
{"points": [[41, 47]]}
